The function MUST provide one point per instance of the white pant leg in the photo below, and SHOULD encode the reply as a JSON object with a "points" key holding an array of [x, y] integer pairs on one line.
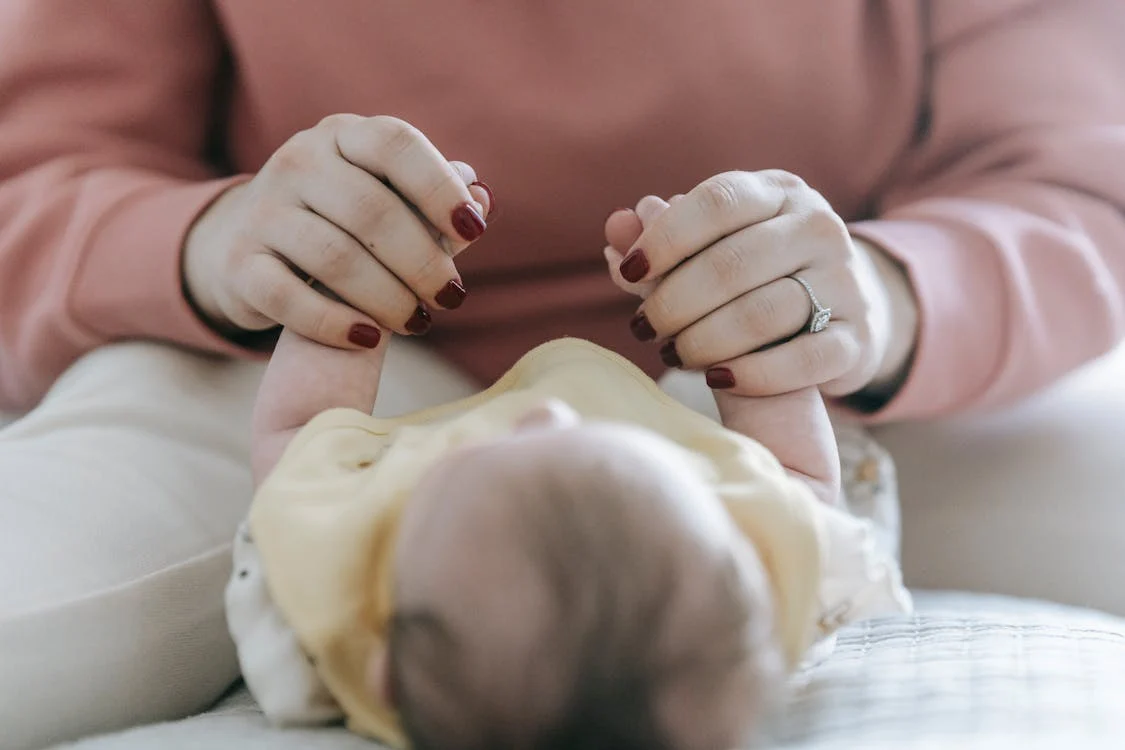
{"points": [[119, 496]]}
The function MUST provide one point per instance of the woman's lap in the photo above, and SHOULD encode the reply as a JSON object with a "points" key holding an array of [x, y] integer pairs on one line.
{"points": [[120, 497]]}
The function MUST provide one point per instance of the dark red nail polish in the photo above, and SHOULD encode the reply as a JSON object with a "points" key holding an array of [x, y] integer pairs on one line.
{"points": [[364, 335], [491, 197], [634, 266], [641, 328], [668, 354], [720, 378], [451, 295], [468, 222], [420, 322]]}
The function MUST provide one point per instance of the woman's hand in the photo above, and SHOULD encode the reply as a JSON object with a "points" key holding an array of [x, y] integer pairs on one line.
{"points": [[367, 207], [716, 268], [793, 426]]}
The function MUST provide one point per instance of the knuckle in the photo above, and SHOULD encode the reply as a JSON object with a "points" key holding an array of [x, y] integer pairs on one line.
{"points": [[718, 195], [760, 314], [296, 154], [691, 350], [335, 121], [728, 262], [430, 266], [320, 324], [397, 136], [661, 235], [334, 261], [783, 179], [661, 312], [812, 362], [758, 381], [371, 210], [824, 224], [268, 296]]}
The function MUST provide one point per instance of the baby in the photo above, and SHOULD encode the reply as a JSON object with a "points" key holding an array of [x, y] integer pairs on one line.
{"points": [[568, 559]]}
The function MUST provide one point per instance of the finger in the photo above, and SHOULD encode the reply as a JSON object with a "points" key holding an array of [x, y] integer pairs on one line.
{"points": [[766, 315], [397, 152], [483, 195], [715, 208], [650, 208], [464, 170], [273, 290], [622, 229], [480, 191], [387, 227], [335, 259], [733, 266], [807, 360], [613, 258]]}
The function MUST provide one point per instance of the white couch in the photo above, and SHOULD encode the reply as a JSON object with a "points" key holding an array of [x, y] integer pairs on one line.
{"points": [[1029, 503]]}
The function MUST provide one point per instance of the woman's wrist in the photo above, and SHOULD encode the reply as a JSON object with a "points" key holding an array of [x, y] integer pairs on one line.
{"points": [[196, 276], [902, 319]]}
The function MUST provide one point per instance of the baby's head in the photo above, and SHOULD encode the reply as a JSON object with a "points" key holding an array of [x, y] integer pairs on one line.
{"points": [[575, 585]]}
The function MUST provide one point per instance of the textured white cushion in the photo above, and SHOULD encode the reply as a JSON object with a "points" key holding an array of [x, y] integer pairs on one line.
{"points": [[967, 671]]}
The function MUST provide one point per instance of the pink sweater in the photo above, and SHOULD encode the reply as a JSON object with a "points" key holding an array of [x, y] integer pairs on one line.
{"points": [[982, 144]]}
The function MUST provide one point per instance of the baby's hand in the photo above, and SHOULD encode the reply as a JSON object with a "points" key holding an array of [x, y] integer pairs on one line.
{"points": [[303, 379], [793, 426], [622, 229]]}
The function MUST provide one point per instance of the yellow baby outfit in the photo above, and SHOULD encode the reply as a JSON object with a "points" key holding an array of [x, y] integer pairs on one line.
{"points": [[324, 521]]}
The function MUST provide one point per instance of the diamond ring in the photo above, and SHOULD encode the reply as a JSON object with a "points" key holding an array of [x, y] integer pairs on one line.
{"points": [[818, 321]]}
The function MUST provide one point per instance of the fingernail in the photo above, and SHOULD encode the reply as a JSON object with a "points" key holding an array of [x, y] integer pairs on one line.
{"points": [[468, 222], [634, 266], [491, 197], [364, 335], [720, 378], [420, 322], [641, 328], [611, 213], [451, 295], [668, 354]]}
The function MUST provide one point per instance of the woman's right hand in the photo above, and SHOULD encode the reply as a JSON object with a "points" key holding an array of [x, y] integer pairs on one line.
{"points": [[365, 206]]}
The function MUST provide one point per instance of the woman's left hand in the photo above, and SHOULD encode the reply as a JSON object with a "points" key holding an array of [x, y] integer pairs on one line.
{"points": [[716, 265]]}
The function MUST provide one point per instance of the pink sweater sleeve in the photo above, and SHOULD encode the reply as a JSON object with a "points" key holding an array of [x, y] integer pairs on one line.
{"points": [[1010, 216], [105, 107]]}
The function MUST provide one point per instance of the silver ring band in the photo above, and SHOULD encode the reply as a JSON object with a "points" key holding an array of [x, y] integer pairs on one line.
{"points": [[820, 316]]}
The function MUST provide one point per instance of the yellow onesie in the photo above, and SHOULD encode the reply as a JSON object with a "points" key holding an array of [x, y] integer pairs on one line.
{"points": [[324, 521]]}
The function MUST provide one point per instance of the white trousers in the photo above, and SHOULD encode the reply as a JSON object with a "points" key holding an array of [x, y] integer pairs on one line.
{"points": [[119, 498], [120, 495]]}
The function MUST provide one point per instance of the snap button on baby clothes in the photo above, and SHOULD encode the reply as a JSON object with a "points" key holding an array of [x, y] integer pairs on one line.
{"points": [[867, 470]]}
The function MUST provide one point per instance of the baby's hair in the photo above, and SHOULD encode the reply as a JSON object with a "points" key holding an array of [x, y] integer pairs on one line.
{"points": [[612, 591]]}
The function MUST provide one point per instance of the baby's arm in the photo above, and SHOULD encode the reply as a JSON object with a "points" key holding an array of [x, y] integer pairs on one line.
{"points": [[303, 379], [795, 428]]}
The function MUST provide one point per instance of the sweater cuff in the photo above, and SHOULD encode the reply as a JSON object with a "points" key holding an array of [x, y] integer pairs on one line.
{"points": [[958, 285], [128, 284]]}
